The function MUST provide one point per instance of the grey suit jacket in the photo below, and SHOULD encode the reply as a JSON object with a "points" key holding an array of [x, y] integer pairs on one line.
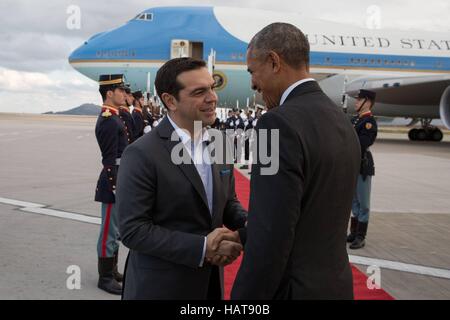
{"points": [[296, 235], [164, 217]]}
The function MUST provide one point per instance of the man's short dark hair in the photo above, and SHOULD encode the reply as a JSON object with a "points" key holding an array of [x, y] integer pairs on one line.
{"points": [[104, 90], [286, 40], [166, 78]]}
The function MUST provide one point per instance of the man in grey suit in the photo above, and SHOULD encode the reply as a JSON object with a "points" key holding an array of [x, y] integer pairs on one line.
{"points": [[298, 217], [171, 214]]}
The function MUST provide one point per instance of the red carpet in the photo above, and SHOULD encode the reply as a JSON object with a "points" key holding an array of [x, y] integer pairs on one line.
{"points": [[359, 279]]}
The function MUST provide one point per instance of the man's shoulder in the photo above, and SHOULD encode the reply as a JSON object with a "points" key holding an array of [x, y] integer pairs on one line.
{"points": [[108, 121], [369, 123]]}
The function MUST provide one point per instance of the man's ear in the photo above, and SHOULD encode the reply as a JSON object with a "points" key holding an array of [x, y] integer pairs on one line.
{"points": [[109, 94], [275, 60], [169, 101]]}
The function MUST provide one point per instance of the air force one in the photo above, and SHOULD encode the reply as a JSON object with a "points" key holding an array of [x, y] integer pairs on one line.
{"points": [[409, 72]]}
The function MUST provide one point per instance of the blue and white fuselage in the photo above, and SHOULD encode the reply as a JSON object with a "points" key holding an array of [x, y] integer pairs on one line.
{"points": [[343, 58]]}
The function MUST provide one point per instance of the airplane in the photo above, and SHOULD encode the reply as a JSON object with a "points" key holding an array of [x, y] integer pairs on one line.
{"points": [[409, 72]]}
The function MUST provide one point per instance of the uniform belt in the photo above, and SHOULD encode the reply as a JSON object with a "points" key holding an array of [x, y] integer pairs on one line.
{"points": [[118, 162]]}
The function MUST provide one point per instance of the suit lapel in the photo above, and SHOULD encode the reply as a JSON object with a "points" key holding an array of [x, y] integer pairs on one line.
{"points": [[165, 130]]}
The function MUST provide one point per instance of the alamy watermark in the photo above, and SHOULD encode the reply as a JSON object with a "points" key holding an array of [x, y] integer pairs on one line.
{"points": [[73, 282], [373, 20], [211, 146], [374, 279], [73, 22]]}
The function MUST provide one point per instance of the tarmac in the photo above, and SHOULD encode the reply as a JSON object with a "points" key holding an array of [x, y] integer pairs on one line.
{"points": [[49, 166]]}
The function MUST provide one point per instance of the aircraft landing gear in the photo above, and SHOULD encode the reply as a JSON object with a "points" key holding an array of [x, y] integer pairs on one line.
{"points": [[426, 133]]}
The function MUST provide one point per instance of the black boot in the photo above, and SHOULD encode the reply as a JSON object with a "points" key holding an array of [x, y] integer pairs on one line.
{"points": [[106, 279], [360, 236], [117, 275], [353, 225]]}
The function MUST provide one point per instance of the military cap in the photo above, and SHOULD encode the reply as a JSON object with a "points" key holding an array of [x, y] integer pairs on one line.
{"points": [[138, 94], [366, 94], [127, 88], [111, 80]]}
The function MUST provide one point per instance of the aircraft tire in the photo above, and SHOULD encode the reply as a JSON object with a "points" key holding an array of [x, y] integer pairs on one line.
{"points": [[412, 134], [436, 135], [422, 135]]}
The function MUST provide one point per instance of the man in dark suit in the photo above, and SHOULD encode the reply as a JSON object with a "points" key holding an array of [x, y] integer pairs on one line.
{"points": [[171, 212], [298, 216]]}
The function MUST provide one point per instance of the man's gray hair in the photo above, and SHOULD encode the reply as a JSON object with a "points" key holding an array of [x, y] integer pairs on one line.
{"points": [[286, 40]]}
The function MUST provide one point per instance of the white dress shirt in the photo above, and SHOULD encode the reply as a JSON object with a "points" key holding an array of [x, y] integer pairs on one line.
{"points": [[195, 149], [292, 87]]}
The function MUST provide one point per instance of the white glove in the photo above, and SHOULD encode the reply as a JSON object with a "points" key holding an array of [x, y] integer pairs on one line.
{"points": [[147, 129]]}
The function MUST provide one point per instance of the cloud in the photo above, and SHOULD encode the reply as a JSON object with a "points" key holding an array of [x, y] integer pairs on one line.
{"points": [[35, 75], [40, 92]]}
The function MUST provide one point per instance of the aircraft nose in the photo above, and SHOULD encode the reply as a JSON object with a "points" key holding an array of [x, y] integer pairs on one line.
{"points": [[87, 51]]}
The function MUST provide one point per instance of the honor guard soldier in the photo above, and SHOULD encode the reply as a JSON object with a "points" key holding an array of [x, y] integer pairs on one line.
{"points": [[125, 115], [366, 129], [248, 130], [229, 123], [216, 124], [112, 140], [138, 116]]}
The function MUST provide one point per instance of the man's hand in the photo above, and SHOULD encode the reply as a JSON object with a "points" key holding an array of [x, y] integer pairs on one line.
{"points": [[222, 246], [230, 249], [214, 239], [227, 252]]}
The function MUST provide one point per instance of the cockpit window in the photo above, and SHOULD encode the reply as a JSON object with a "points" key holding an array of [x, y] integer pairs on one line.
{"points": [[144, 17]]}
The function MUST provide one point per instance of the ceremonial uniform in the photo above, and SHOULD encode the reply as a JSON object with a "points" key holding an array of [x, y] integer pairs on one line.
{"points": [[138, 117], [248, 131], [112, 139], [229, 123], [139, 123], [366, 128], [128, 122], [216, 124]]}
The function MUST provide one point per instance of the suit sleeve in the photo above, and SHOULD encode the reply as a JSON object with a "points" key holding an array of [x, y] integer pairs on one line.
{"points": [[275, 205], [235, 216], [136, 196]]}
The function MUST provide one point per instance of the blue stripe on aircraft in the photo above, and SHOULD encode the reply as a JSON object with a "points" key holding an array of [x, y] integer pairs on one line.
{"points": [[142, 40], [377, 61]]}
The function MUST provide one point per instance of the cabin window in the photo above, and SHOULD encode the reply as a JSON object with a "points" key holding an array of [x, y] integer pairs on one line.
{"points": [[144, 17]]}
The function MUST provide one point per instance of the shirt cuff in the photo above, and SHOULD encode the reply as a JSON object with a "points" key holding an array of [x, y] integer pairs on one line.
{"points": [[203, 255]]}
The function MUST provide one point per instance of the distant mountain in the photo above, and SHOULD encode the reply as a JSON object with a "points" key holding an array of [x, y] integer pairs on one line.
{"points": [[87, 109]]}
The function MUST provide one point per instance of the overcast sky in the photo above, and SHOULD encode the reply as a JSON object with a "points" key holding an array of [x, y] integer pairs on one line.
{"points": [[35, 41]]}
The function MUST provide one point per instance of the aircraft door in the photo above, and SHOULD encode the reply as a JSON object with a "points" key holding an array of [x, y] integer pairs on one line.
{"points": [[181, 48]]}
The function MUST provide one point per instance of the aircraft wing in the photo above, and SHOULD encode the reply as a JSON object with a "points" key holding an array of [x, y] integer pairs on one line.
{"points": [[426, 90]]}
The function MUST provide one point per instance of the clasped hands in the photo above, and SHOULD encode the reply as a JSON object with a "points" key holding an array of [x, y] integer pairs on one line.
{"points": [[223, 246]]}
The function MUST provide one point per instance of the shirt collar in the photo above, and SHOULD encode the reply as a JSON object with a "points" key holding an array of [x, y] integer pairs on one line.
{"points": [[184, 135], [292, 87], [365, 114]]}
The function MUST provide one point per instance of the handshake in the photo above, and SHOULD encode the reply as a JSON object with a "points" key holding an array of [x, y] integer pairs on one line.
{"points": [[223, 246]]}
